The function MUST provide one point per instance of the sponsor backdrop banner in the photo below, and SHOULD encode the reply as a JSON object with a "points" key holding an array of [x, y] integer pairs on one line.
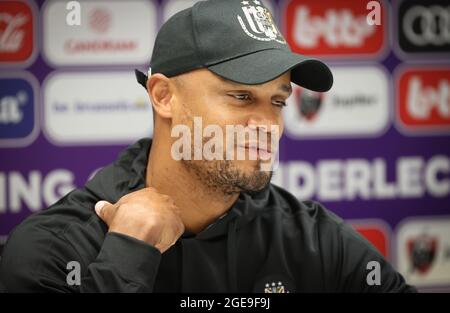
{"points": [[375, 149]]}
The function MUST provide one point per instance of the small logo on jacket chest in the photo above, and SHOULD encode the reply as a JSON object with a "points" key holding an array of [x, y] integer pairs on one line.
{"points": [[275, 287], [274, 283]]}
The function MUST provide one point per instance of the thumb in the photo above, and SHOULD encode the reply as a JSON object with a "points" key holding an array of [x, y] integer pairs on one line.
{"points": [[104, 210]]}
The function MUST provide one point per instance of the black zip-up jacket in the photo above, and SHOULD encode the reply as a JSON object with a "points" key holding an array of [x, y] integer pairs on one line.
{"points": [[268, 242]]}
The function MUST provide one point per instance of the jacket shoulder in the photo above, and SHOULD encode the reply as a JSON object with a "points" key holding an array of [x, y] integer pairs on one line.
{"points": [[38, 250], [343, 253]]}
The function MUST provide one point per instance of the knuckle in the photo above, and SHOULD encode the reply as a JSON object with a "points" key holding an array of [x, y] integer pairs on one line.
{"points": [[181, 229], [152, 223]]}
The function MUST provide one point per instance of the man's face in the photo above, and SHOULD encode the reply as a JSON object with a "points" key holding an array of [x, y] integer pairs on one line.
{"points": [[255, 108]]}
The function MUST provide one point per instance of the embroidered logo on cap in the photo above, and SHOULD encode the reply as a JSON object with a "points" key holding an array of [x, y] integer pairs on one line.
{"points": [[259, 24]]}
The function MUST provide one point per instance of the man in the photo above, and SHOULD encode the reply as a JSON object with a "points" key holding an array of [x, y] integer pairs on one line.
{"points": [[165, 223]]}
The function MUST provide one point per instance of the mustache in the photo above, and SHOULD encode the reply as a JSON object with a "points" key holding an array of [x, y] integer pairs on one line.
{"points": [[266, 145], [257, 145]]}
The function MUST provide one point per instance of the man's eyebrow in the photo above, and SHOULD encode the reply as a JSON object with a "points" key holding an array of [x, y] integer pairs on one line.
{"points": [[283, 87]]}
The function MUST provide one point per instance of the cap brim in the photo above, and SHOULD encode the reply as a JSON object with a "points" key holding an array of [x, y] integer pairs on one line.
{"points": [[265, 65]]}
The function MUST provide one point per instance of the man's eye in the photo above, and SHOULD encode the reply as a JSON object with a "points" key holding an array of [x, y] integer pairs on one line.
{"points": [[279, 103], [241, 96]]}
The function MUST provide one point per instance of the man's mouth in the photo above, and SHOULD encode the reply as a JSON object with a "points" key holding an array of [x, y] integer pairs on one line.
{"points": [[256, 152]]}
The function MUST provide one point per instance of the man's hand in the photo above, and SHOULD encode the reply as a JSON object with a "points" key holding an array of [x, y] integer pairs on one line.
{"points": [[146, 215]]}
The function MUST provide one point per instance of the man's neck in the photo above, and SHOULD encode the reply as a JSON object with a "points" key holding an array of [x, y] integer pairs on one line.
{"points": [[200, 206]]}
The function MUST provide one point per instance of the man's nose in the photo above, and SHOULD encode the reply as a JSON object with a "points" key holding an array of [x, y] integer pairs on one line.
{"points": [[266, 129], [263, 122]]}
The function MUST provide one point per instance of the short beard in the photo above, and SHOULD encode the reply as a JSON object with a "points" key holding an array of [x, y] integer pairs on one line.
{"points": [[222, 176]]}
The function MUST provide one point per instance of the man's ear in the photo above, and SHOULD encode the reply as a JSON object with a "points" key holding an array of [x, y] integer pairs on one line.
{"points": [[160, 91]]}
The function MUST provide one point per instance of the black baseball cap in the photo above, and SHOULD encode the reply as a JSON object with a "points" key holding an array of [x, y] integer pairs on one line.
{"points": [[236, 40]]}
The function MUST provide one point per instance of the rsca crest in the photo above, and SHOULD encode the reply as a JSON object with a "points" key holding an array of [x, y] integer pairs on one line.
{"points": [[257, 22]]}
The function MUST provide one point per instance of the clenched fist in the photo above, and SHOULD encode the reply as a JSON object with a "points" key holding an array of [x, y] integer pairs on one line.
{"points": [[146, 215]]}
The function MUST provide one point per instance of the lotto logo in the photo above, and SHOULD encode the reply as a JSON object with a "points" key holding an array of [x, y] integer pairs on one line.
{"points": [[423, 100], [330, 28]]}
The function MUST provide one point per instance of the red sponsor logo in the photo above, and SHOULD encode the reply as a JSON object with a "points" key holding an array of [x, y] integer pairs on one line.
{"points": [[423, 100], [308, 103], [422, 251], [377, 236], [333, 28], [100, 21], [16, 31]]}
